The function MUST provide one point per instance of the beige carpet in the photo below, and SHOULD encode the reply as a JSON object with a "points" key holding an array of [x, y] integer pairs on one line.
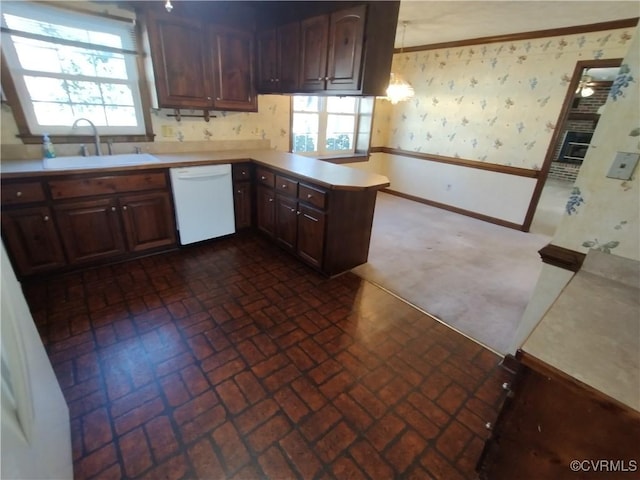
{"points": [[474, 276]]}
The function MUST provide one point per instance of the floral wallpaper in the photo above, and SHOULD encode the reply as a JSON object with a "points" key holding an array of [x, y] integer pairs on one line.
{"points": [[604, 213], [271, 122], [495, 103]]}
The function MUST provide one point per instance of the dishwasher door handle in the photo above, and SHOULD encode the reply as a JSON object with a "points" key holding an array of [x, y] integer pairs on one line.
{"points": [[187, 176]]}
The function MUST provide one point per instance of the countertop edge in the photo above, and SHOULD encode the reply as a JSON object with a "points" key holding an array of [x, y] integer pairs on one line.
{"points": [[223, 157]]}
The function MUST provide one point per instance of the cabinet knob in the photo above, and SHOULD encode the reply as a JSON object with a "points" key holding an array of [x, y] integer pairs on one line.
{"points": [[244, 172], [277, 80], [488, 426], [239, 192], [328, 78], [271, 199], [18, 194], [292, 209], [309, 195], [298, 212], [320, 79], [113, 209], [217, 98], [209, 98], [505, 386], [46, 218], [124, 208], [284, 185], [263, 177]]}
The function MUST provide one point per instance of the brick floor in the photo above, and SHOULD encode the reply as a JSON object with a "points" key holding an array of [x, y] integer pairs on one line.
{"points": [[233, 360]]}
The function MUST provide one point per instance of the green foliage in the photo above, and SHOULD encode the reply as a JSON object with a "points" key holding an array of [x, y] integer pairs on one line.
{"points": [[341, 142], [303, 143]]}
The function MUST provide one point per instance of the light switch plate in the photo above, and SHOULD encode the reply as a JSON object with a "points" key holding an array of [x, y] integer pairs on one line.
{"points": [[167, 131], [623, 165]]}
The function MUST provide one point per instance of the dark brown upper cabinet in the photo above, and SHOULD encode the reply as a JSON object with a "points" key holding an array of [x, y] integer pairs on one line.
{"points": [[180, 63], [314, 42], [348, 51], [278, 59], [201, 66], [233, 73], [331, 57], [346, 31]]}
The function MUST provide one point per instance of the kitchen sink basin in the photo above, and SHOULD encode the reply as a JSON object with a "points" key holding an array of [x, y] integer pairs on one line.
{"points": [[95, 161]]}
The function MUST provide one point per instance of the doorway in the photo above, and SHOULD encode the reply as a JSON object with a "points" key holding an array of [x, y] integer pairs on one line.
{"points": [[586, 96]]}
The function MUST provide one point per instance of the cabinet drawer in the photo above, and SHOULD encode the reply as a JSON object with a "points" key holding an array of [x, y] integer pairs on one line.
{"points": [[17, 193], [90, 186], [265, 177], [312, 195], [241, 171], [286, 186]]}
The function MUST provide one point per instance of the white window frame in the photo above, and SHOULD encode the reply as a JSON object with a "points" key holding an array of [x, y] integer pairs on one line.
{"points": [[76, 19], [323, 116]]}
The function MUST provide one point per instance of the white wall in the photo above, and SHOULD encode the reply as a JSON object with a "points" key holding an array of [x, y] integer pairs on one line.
{"points": [[498, 195]]}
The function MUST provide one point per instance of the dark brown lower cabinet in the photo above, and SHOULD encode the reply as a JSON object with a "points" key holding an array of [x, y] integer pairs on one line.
{"points": [[95, 229], [329, 229], [266, 210], [31, 237], [90, 229], [286, 221], [549, 422], [242, 204], [147, 220], [300, 228], [311, 228]]}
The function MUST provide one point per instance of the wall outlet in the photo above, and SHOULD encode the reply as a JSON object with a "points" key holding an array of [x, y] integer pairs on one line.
{"points": [[623, 165], [167, 131]]}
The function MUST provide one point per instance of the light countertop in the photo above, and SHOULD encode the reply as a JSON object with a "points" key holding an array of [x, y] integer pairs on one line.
{"points": [[329, 175], [592, 331]]}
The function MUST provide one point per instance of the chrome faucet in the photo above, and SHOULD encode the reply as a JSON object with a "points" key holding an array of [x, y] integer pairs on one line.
{"points": [[95, 133]]}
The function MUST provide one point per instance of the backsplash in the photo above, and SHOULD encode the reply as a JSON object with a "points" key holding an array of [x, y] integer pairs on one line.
{"points": [[268, 128]]}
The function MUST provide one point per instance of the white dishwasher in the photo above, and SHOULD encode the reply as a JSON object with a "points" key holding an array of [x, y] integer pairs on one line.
{"points": [[203, 198]]}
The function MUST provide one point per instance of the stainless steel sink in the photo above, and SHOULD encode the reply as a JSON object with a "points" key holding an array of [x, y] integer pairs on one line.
{"points": [[95, 161]]}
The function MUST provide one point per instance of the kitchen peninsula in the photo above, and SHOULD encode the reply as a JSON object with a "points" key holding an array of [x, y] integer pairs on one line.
{"points": [[59, 219]]}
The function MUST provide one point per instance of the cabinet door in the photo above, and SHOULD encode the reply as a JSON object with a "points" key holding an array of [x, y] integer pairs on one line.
{"points": [[179, 61], [267, 50], [288, 54], [90, 230], [265, 210], [242, 204], [32, 240], [314, 36], [311, 224], [233, 75], [286, 221], [148, 220], [344, 64]]}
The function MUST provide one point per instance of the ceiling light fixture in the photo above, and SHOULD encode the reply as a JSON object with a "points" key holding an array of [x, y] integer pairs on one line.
{"points": [[168, 6], [399, 89], [584, 88]]}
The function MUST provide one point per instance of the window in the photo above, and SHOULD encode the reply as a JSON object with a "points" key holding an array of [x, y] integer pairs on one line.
{"points": [[67, 65], [324, 125]]}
